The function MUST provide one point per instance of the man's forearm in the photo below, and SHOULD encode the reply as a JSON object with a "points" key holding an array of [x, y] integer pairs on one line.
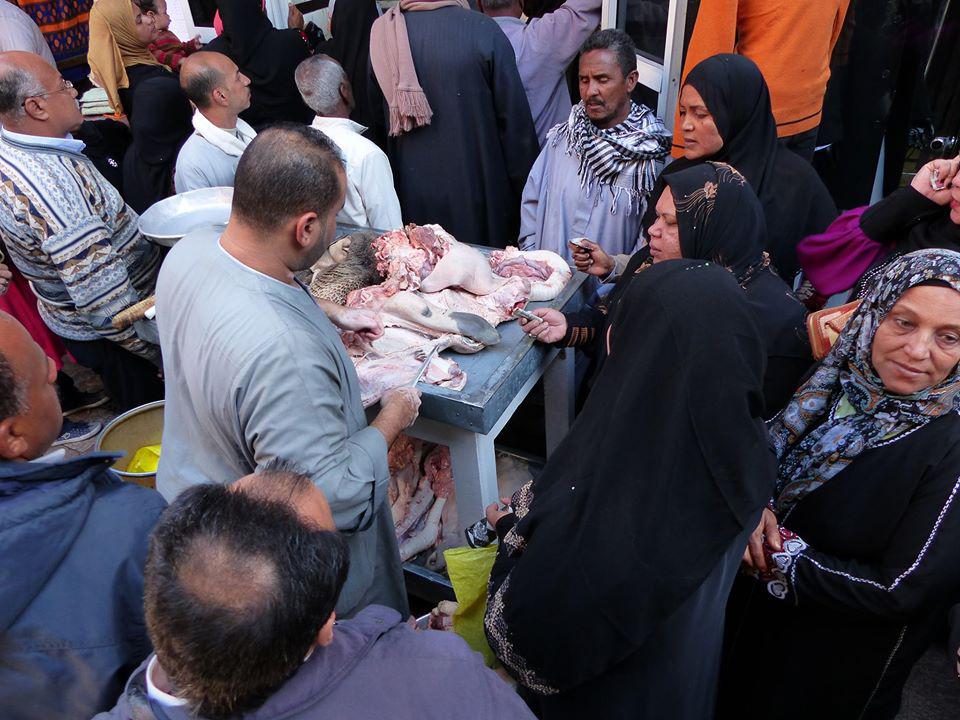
{"points": [[389, 423]]}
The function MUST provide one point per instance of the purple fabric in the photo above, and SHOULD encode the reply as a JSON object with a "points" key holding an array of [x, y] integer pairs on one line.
{"points": [[376, 667], [835, 259]]}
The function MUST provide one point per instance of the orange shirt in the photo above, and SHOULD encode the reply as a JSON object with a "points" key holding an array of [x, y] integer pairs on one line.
{"points": [[791, 41]]}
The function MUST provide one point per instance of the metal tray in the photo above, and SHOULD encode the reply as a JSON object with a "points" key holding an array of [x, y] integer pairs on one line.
{"points": [[169, 220]]}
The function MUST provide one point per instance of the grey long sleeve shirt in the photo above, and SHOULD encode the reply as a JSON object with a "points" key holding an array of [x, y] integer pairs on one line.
{"points": [[544, 48]]}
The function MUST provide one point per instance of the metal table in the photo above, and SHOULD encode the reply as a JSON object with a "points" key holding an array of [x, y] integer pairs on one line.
{"points": [[498, 379]]}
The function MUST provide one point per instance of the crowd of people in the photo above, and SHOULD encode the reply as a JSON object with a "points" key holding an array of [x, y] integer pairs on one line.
{"points": [[727, 514]]}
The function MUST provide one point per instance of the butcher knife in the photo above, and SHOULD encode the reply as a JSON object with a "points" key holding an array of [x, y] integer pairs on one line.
{"points": [[425, 366]]}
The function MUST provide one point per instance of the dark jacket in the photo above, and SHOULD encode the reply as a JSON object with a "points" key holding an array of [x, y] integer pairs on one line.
{"points": [[376, 667], [866, 597], [74, 541]]}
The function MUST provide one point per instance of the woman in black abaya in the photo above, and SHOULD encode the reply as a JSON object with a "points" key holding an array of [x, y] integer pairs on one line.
{"points": [[707, 211], [268, 57], [350, 46], [607, 596], [159, 130], [725, 99]]}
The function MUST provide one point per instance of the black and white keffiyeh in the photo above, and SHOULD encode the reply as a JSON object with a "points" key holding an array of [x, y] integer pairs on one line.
{"points": [[623, 157]]}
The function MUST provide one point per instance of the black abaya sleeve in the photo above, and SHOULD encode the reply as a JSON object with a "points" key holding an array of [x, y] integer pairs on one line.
{"points": [[518, 136], [917, 570], [889, 221]]}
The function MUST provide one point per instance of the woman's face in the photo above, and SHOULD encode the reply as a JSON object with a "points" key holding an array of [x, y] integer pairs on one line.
{"points": [[146, 30], [700, 135], [918, 344], [665, 233], [955, 201]]}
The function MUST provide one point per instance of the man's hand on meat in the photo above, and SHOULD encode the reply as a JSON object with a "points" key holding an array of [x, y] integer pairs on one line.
{"points": [[399, 409], [551, 330], [365, 323]]}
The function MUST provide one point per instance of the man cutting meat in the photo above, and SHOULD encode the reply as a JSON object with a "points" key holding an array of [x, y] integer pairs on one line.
{"points": [[256, 369]]}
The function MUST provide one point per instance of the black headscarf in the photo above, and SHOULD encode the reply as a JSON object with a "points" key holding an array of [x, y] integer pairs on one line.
{"points": [[795, 201], [350, 46], [160, 128], [268, 57], [721, 219], [665, 466]]}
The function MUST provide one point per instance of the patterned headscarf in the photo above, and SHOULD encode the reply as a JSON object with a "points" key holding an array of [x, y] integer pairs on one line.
{"points": [[812, 443], [622, 158]]}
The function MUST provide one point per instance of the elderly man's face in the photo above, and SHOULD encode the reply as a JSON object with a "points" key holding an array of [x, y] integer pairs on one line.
{"points": [[56, 105], [28, 435], [604, 89]]}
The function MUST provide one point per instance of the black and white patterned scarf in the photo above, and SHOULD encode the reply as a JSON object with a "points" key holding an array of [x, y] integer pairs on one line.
{"points": [[622, 158]]}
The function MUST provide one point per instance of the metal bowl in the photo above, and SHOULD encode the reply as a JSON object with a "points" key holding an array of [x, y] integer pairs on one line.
{"points": [[170, 219], [129, 432]]}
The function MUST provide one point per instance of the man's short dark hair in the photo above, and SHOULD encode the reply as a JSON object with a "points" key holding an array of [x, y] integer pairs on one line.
{"points": [[12, 401], [289, 169], [236, 589], [199, 85], [619, 43]]}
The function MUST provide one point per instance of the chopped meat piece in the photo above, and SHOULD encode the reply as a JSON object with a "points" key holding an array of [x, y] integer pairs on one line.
{"points": [[547, 271]]}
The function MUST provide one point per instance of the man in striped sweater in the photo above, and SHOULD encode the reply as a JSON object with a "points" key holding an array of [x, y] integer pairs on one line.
{"points": [[70, 233]]}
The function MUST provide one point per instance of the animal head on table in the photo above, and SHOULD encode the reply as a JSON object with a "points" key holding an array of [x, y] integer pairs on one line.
{"points": [[357, 269]]}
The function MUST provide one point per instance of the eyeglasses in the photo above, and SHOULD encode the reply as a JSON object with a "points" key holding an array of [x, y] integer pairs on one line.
{"points": [[64, 85]]}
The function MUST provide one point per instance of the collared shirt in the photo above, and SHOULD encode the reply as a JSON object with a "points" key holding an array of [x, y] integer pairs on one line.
{"points": [[155, 693], [371, 198], [544, 48], [68, 143]]}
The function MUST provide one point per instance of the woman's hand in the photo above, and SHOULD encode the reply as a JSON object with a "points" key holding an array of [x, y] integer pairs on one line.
{"points": [[934, 179], [494, 513], [551, 330], [5, 277], [591, 259], [769, 530]]}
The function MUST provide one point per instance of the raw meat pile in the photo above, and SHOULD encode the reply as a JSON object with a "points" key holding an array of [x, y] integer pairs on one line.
{"points": [[438, 291], [423, 499]]}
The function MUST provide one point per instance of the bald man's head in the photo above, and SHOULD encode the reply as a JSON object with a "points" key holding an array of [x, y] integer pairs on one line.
{"points": [[236, 591], [212, 80], [30, 415], [34, 98], [282, 481]]}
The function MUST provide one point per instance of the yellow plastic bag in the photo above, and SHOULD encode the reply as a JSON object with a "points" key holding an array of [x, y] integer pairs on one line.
{"points": [[469, 570], [145, 460]]}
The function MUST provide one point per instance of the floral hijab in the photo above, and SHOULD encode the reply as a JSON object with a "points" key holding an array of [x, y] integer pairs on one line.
{"points": [[813, 437]]}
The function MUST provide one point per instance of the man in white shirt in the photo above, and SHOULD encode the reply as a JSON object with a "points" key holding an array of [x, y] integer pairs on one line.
{"points": [[18, 31], [220, 92], [371, 198]]}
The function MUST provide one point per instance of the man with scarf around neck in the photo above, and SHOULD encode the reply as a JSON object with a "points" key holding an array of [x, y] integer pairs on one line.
{"points": [[209, 157], [595, 171]]}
